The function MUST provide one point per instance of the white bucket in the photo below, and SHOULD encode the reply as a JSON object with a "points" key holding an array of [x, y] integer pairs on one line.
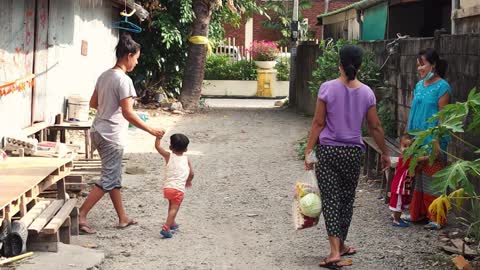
{"points": [[78, 109]]}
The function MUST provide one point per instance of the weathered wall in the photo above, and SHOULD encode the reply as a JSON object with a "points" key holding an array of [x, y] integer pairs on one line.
{"points": [[46, 40], [342, 25], [70, 72], [16, 61]]}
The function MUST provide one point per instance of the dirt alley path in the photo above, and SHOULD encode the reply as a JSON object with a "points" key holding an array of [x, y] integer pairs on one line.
{"points": [[237, 214]]}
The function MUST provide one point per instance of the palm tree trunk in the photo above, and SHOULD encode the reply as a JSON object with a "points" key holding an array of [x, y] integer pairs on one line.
{"points": [[196, 58]]}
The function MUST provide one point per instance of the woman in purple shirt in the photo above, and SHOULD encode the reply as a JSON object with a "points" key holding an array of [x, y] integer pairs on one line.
{"points": [[342, 105]]}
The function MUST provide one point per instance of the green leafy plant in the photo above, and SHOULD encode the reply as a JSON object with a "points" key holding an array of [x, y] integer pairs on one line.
{"points": [[369, 74], [454, 120], [386, 112], [281, 17], [164, 41], [302, 144], [329, 60], [283, 69], [221, 67]]}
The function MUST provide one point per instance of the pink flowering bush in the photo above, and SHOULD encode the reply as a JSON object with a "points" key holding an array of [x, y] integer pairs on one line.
{"points": [[264, 50]]}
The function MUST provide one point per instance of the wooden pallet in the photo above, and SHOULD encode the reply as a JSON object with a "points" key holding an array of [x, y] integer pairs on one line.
{"points": [[24, 178], [50, 222], [73, 184], [84, 167]]}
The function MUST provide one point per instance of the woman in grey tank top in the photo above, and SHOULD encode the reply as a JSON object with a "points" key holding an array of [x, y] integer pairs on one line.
{"points": [[113, 99]]}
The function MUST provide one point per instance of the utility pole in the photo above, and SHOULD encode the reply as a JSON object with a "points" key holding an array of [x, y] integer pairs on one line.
{"points": [[292, 100]]}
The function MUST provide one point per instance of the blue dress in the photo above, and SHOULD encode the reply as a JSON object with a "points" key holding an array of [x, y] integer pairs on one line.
{"points": [[425, 105]]}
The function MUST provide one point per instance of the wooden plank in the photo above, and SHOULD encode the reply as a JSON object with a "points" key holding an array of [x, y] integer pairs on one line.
{"points": [[50, 180], [64, 231], [92, 165], [45, 216], [68, 187], [90, 160], [86, 172], [75, 228], [93, 162], [393, 150], [61, 190], [77, 179], [60, 217], [88, 145], [23, 205], [34, 128], [43, 246], [35, 212]]}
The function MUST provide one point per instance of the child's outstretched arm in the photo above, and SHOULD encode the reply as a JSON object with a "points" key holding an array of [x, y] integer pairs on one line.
{"points": [[190, 175], [165, 154]]}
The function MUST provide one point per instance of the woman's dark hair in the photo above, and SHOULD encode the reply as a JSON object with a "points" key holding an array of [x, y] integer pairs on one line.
{"points": [[179, 142], [126, 45], [351, 60], [434, 59]]}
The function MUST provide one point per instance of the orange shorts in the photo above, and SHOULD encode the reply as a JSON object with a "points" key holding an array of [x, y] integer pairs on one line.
{"points": [[175, 196]]}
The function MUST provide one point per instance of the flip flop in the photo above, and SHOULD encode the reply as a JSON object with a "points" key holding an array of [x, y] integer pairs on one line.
{"points": [[432, 226], [401, 223], [330, 265], [85, 229], [350, 251], [126, 225]]}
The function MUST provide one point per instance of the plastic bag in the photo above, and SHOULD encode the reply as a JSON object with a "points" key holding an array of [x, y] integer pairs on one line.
{"points": [[306, 204]]}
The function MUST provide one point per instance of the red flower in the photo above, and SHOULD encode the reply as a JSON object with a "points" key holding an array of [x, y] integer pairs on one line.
{"points": [[264, 50]]}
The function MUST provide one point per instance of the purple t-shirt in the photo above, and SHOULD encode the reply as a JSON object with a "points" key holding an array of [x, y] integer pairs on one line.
{"points": [[346, 109]]}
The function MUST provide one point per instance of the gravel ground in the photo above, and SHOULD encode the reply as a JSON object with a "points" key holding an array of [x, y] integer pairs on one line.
{"points": [[237, 215]]}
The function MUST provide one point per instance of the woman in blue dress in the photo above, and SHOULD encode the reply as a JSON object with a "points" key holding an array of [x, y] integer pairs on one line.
{"points": [[431, 94]]}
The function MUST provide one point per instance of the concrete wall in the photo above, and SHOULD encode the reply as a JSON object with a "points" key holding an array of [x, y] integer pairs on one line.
{"points": [[222, 88], [50, 47]]}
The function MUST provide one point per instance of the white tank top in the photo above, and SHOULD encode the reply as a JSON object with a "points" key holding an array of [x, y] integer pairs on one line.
{"points": [[177, 171]]}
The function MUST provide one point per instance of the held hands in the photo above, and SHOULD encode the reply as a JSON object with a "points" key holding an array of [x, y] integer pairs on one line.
{"points": [[157, 132]]}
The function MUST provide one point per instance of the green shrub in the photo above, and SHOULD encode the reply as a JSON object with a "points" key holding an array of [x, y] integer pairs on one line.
{"points": [[221, 67], [369, 74], [328, 66], [283, 69]]}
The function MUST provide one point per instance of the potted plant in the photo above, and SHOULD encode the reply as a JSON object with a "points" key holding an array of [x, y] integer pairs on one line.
{"points": [[264, 53]]}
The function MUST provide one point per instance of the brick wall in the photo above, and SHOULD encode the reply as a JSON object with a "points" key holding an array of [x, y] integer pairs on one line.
{"points": [[236, 32], [260, 33]]}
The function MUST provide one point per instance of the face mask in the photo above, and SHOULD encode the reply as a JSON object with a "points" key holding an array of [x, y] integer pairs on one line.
{"points": [[429, 75]]}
